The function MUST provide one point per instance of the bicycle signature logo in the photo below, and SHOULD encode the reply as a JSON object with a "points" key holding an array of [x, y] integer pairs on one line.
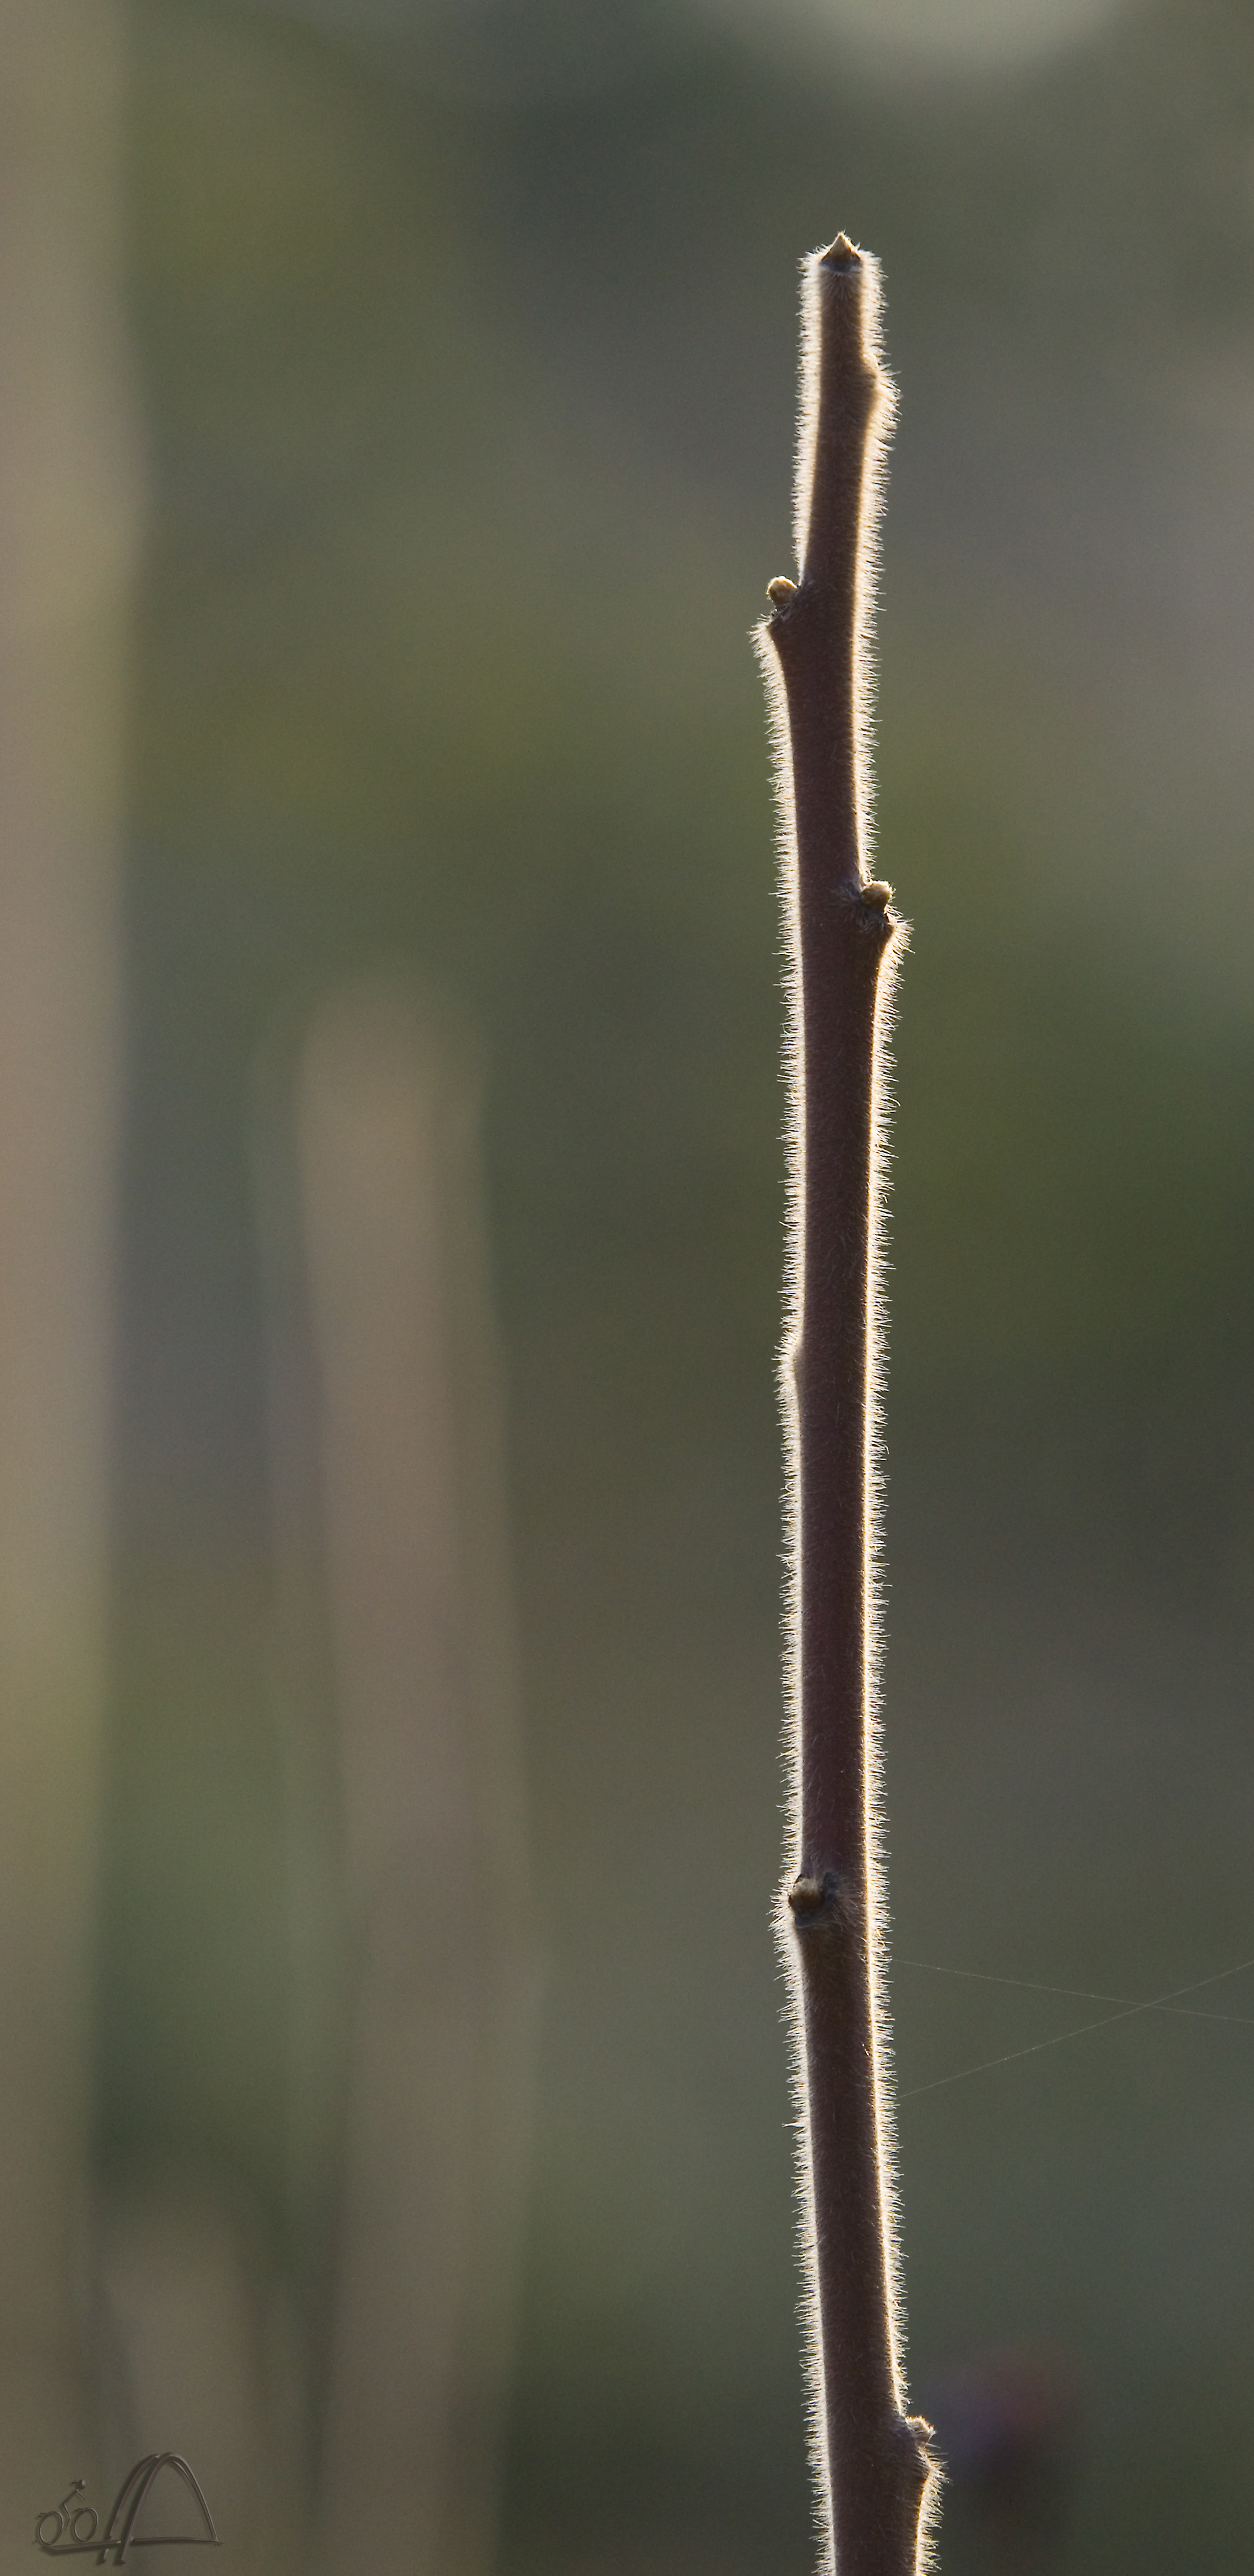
{"points": [[72, 2530]]}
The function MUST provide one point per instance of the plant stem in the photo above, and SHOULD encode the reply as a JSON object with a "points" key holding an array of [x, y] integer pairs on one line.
{"points": [[873, 2471], [69, 488], [410, 1443]]}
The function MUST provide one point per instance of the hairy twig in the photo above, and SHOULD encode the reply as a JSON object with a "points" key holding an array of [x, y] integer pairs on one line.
{"points": [[873, 2470]]}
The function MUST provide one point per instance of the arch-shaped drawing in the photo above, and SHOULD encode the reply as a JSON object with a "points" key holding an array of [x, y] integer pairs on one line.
{"points": [[131, 2498]]}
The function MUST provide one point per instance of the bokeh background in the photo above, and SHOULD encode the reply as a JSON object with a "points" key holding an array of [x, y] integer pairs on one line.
{"points": [[397, 420]]}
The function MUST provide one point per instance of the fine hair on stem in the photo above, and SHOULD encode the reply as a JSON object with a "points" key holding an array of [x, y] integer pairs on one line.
{"points": [[875, 2479]]}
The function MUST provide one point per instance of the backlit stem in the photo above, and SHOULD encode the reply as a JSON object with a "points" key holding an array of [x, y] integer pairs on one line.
{"points": [[873, 2469]]}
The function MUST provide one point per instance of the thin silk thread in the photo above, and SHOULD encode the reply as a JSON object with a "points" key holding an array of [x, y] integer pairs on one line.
{"points": [[1126, 2012]]}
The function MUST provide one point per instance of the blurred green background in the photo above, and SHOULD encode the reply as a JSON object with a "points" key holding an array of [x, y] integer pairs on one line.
{"points": [[464, 340]]}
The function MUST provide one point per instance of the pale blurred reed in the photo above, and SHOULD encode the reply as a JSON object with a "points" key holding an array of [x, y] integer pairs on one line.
{"points": [[438, 1992], [343, 2405], [68, 495]]}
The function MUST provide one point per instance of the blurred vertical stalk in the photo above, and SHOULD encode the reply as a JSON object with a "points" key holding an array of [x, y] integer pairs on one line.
{"points": [[873, 2471], [409, 1440], [67, 523]]}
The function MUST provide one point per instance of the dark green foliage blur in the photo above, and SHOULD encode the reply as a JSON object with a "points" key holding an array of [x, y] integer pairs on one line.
{"points": [[468, 389]]}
